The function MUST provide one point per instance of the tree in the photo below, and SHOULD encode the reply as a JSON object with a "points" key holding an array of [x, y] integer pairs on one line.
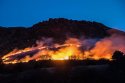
{"points": [[118, 60], [118, 55]]}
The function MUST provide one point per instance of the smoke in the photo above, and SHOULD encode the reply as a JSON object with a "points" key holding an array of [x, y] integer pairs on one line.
{"points": [[89, 43], [72, 48], [44, 42], [106, 47]]}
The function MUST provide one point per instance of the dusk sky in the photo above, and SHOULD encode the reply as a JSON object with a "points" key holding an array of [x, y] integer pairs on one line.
{"points": [[28, 12]]}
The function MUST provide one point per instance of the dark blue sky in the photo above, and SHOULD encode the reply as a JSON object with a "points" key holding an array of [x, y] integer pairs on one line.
{"points": [[28, 12]]}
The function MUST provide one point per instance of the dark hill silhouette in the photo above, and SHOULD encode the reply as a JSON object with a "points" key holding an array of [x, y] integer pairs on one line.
{"points": [[58, 29], [71, 71]]}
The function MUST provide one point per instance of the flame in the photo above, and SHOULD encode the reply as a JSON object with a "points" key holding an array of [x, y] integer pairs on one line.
{"points": [[65, 53], [71, 49], [102, 50]]}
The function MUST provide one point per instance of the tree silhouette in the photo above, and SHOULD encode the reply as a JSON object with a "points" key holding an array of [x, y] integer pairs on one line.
{"points": [[118, 55], [118, 61]]}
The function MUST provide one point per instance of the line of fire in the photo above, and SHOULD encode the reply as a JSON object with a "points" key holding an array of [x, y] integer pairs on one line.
{"points": [[72, 49]]}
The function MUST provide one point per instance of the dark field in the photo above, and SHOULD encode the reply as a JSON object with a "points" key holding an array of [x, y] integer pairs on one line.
{"points": [[63, 71]]}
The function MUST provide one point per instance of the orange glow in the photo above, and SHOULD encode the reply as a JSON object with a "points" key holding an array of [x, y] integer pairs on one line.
{"points": [[71, 49], [65, 53]]}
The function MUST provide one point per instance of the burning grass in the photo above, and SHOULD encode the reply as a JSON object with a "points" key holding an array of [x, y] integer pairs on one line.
{"points": [[71, 49]]}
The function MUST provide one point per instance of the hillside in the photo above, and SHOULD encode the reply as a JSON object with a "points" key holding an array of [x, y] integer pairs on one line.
{"points": [[58, 29], [91, 49]]}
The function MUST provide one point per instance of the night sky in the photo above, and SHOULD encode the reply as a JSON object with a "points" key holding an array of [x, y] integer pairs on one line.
{"points": [[28, 12]]}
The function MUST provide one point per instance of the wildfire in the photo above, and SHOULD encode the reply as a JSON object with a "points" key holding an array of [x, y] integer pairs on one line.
{"points": [[71, 49]]}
